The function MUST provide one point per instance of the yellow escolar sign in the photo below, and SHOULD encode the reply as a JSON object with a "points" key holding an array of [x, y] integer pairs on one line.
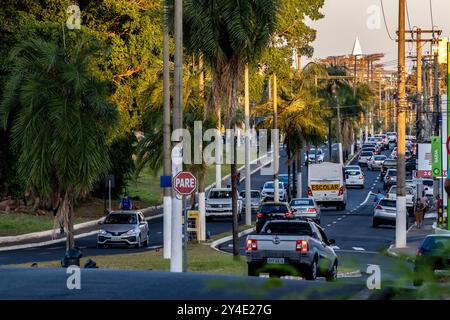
{"points": [[324, 187]]}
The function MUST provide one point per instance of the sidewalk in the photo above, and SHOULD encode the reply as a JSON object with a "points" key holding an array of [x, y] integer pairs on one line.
{"points": [[414, 238]]}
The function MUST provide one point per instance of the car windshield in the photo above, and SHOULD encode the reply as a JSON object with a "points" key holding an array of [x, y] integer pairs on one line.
{"points": [[313, 152], [119, 218], [353, 173], [216, 194], [295, 228], [274, 208], [253, 194], [378, 158], [387, 203], [436, 243], [392, 173], [302, 202], [390, 162], [269, 185], [428, 183], [367, 153]]}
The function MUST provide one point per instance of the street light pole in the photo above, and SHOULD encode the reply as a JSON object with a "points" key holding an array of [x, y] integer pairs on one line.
{"points": [[400, 229], [167, 200], [248, 204], [276, 195], [176, 261]]}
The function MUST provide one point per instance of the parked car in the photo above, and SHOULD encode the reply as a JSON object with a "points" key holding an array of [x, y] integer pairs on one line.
{"points": [[385, 212], [284, 178], [432, 258], [299, 244], [387, 164], [410, 197], [124, 228], [306, 207], [390, 178], [355, 178], [376, 162], [255, 199], [364, 157], [272, 210], [311, 156], [219, 203], [268, 190]]}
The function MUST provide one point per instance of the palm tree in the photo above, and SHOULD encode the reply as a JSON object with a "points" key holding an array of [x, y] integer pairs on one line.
{"points": [[59, 114], [228, 34]]}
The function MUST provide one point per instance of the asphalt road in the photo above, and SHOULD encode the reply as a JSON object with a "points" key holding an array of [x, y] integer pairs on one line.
{"points": [[357, 241], [104, 284]]}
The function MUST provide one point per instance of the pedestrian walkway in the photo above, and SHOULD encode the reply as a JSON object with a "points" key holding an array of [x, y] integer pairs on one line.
{"points": [[415, 237]]}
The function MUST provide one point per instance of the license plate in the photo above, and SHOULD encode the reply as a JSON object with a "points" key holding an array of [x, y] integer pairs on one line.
{"points": [[275, 260], [116, 238]]}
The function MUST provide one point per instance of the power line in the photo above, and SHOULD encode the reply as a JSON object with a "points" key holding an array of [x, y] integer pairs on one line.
{"points": [[385, 23]]}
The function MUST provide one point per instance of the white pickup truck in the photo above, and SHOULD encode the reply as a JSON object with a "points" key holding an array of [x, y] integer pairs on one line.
{"points": [[326, 184], [295, 247], [218, 203]]}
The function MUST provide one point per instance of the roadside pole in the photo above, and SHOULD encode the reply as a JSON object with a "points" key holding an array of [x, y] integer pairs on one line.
{"points": [[109, 195], [167, 200], [400, 229], [176, 263], [276, 194], [248, 208], [185, 234], [448, 128]]}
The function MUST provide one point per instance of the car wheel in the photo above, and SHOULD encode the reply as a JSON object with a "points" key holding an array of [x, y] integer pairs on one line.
{"points": [[252, 270], [147, 241], [138, 244], [332, 274], [375, 223], [311, 274]]}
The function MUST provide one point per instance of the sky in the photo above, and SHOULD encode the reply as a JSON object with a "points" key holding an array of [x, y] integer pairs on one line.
{"points": [[347, 19]]}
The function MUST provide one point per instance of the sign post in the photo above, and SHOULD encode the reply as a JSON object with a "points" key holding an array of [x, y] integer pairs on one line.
{"points": [[448, 126], [436, 163], [184, 183]]}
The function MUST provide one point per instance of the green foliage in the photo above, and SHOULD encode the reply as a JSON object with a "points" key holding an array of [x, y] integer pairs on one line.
{"points": [[59, 114]]}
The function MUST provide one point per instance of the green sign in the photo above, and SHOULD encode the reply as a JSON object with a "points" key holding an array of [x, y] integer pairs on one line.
{"points": [[436, 156]]}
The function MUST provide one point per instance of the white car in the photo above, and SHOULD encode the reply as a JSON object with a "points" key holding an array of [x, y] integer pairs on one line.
{"points": [[428, 185], [364, 157], [376, 162], [219, 203], [410, 197], [311, 157], [354, 177], [268, 190]]}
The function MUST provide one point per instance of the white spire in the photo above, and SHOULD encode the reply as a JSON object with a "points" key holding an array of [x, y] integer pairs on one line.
{"points": [[357, 51]]}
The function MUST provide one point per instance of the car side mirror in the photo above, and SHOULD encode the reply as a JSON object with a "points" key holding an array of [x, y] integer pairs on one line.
{"points": [[331, 241]]}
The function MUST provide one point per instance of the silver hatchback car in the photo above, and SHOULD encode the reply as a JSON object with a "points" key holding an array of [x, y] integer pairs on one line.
{"points": [[124, 228], [306, 207], [376, 162], [255, 199]]}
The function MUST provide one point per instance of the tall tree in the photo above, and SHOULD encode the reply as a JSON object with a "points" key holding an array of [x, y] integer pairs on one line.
{"points": [[60, 116]]}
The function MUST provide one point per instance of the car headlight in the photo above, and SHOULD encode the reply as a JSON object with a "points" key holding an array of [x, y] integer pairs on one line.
{"points": [[102, 233], [131, 232]]}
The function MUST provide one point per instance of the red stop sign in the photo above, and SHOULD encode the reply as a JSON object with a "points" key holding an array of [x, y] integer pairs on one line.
{"points": [[184, 183]]}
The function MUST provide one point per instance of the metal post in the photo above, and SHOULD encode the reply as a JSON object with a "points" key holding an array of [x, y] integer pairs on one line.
{"points": [[109, 194], [400, 227], [248, 204], [276, 195], [185, 235]]}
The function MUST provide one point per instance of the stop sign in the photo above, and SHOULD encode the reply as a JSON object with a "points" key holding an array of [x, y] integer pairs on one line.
{"points": [[184, 183]]}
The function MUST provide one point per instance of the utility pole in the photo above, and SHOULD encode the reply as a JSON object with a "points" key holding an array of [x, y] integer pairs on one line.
{"points": [[276, 195], [176, 261], [338, 125], [167, 200], [419, 117], [436, 94], [248, 204], [400, 226]]}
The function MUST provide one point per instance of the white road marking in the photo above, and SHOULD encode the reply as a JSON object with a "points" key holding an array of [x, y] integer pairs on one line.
{"points": [[339, 219], [358, 249], [334, 222], [328, 225], [159, 232]]}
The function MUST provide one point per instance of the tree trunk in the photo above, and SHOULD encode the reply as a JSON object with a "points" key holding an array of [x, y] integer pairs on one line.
{"points": [[234, 191], [299, 174], [202, 206], [288, 151], [67, 212], [294, 176]]}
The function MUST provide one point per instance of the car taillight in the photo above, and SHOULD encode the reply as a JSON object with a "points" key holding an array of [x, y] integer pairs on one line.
{"points": [[259, 215], [288, 214], [341, 191], [310, 192], [379, 207], [312, 210], [252, 245], [361, 177], [302, 246]]}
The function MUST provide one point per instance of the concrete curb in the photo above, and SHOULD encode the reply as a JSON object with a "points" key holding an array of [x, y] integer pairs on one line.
{"points": [[218, 242], [50, 242], [352, 158], [88, 224]]}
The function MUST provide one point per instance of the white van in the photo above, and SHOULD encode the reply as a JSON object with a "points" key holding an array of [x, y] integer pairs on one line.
{"points": [[326, 185]]}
